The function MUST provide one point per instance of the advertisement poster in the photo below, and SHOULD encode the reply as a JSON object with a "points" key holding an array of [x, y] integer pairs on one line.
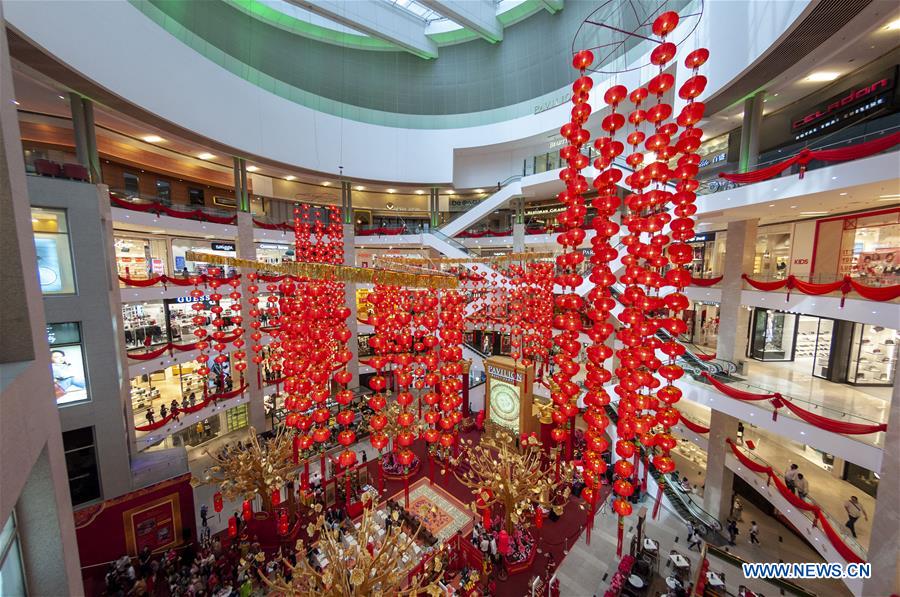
{"points": [[48, 264], [156, 525], [880, 263], [67, 362]]}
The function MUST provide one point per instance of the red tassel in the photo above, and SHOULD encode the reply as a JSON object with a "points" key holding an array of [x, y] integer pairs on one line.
{"points": [[619, 535], [659, 492]]}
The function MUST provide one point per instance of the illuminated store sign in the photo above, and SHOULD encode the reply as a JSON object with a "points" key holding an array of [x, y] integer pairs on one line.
{"points": [[845, 107], [505, 374], [223, 246]]}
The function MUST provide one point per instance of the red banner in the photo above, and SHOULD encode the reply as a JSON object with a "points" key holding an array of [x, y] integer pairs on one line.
{"points": [[166, 280], [841, 154], [833, 537], [845, 286], [734, 392]]}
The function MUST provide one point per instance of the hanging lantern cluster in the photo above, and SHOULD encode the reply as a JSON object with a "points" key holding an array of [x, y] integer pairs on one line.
{"points": [[569, 304], [656, 253], [199, 320], [530, 313], [451, 368]]}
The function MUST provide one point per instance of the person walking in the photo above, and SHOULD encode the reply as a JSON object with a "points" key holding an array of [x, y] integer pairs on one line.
{"points": [[151, 416], [802, 486], [732, 531], [737, 509], [854, 511], [790, 478], [754, 532]]}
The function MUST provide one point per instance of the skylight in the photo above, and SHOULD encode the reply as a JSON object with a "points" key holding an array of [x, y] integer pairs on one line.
{"points": [[413, 7]]}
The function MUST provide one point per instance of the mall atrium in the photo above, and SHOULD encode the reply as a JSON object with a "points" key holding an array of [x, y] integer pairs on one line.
{"points": [[569, 298]]}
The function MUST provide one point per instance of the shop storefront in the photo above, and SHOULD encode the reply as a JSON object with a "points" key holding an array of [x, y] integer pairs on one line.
{"points": [[773, 252], [870, 248], [171, 320], [702, 325], [704, 246], [274, 253], [140, 258], [181, 247], [834, 350]]}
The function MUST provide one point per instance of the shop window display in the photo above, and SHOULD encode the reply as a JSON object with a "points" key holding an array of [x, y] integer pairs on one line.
{"points": [[773, 252], [870, 248], [772, 335], [821, 347], [182, 264], [274, 253], [144, 324], [140, 258], [873, 355], [54, 254], [67, 363]]}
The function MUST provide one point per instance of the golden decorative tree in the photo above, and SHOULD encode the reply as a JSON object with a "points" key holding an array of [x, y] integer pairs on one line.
{"points": [[518, 479], [352, 571], [256, 470]]}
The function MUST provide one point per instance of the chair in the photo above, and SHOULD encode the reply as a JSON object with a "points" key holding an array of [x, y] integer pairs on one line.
{"points": [[75, 172], [47, 168]]}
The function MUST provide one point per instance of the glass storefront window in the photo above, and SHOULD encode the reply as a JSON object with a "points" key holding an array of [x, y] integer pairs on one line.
{"points": [[53, 251], [773, 252], [144, 324], [870, 248], [182, 264], [67, 363], [873, 355], [772, 335], [862, 478], [274, 253], [140, 258], [12, 577], [823, 349], [237, 417]]}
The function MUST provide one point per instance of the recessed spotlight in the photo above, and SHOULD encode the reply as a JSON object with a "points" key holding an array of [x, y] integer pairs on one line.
{"points": [[290, 177], [892, 196], [62, 97], [359, 188], [15, 102], [822, 77], [152, 138], [205, 156], [420, 192], [793, 207], [843, 194], [252, 168], [326, 184], [893, 25], [813, 213], [479, 190]]}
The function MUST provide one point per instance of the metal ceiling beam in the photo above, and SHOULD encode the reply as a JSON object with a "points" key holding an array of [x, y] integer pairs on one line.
{"points": [[378, 19], [552, 6], [479, 16]]}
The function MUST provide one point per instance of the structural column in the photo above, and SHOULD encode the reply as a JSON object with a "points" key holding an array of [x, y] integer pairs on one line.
{"points": [[753, 113], [241, 189], [85, 139], [740, 246], [246, 249], [350, 299], [884, 546], [519, 226], [434, 209]]}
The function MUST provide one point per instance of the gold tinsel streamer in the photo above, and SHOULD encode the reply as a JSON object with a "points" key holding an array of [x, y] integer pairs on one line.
{"points": [[326, 271], [534, 256]]}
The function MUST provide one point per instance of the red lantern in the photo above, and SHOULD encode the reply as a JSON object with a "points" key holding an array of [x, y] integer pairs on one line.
{"points": [[247, 510], [232, 527], [217, 502]]}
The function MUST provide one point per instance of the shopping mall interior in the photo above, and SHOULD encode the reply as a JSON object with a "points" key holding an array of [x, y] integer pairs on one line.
{"points": [[450, 297]]}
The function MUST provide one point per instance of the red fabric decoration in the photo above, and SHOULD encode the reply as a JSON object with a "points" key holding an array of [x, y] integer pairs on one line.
{"points": [[764, 286], [831, 424], [819, 517], [706, 357], [693, 426], [705, 282], [734, 392], [165, 280], [158, 209], [872, 293], [884, 293], [842, 154], [192, 409]]}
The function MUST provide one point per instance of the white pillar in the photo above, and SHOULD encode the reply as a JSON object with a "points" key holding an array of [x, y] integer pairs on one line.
{"points": [[246, 249], [884, 546], [732, 343], [518, 237]]}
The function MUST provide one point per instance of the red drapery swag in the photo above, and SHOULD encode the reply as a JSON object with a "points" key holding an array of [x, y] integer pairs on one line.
{"points": [[705, 282], [820, 519], [779, 401], [166, 280], [845, 286], [841, 154], [706, 357], [171, 346], [695, 427], [158, 208], [192, 409]]}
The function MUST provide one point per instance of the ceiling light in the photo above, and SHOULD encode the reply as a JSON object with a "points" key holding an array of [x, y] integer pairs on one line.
{"points": [[152, 138], [893, 25], [290, 177], [15, 102], [359, 188], [252, 168], [420, 192], [479, 190], [843, 194], [822, 77], [392, 190], [793, 207], [326, 184], [813, 213], [62, 97], [205, 156], [893, 196]]}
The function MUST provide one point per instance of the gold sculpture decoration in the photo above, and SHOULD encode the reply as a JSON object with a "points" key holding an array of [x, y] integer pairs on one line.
{"points": [[359, 563], [259, 469], [519, 480]]}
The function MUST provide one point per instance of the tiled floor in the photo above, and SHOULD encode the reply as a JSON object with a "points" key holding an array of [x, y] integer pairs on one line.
{"points": [[587, 569]]}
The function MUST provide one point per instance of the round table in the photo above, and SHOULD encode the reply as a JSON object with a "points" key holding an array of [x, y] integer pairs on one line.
{"points": [[636, 581]]}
